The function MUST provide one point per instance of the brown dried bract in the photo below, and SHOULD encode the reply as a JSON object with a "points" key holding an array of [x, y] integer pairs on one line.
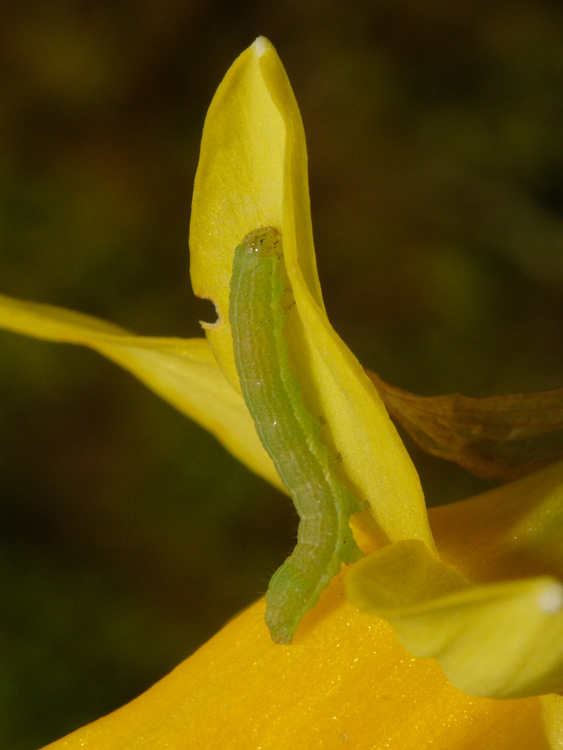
{"points": [[500, 437]]}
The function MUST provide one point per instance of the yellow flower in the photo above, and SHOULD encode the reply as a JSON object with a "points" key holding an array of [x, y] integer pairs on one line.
{"points": [[475, 586]]}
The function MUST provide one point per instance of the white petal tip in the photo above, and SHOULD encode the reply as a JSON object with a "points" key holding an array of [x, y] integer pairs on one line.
{"points": [[550, 600], [261, 46]]}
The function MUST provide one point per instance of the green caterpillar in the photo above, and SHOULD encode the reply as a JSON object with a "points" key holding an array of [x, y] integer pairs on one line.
{"points": [[289, 433]]}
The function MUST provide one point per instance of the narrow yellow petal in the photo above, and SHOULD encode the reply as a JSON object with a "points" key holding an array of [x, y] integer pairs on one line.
{"points": [[184, 372], [494, 640], [345, 682], [239, 183], [253, 172]]}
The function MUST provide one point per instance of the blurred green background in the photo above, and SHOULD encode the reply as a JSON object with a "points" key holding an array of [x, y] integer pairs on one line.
{"points": [[127, 535]]}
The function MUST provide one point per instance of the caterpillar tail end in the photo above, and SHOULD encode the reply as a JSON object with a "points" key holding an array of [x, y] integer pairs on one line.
{"points": [[281, 636], [282, 625]]}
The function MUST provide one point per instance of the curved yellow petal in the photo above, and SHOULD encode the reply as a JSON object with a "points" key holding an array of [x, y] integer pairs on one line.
{"points": [[238, 185], [253, 172], [512, 531], [345, 682], [184, 372], [494, 640]]}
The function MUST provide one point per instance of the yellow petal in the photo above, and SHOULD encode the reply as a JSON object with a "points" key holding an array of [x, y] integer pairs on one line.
{"points": [[345, 682], [552, 710], [495, 640], [253, 172], [512, 531], [238, 184], [184, 372]]}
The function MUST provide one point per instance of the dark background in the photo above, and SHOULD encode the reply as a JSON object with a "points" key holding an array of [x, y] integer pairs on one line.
{"points": [[127, 535]]}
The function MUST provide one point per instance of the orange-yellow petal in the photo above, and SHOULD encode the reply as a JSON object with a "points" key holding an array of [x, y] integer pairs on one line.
{"points": [[495, 640], [345, 682], [552, 710], [491, 611]]}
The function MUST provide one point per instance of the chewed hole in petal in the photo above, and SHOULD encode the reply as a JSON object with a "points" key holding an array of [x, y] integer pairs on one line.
{"points": [[206, 310]]}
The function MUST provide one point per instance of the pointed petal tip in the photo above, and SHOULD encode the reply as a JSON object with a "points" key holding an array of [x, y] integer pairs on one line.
{"points": [[550, 600], [261, 45]]}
